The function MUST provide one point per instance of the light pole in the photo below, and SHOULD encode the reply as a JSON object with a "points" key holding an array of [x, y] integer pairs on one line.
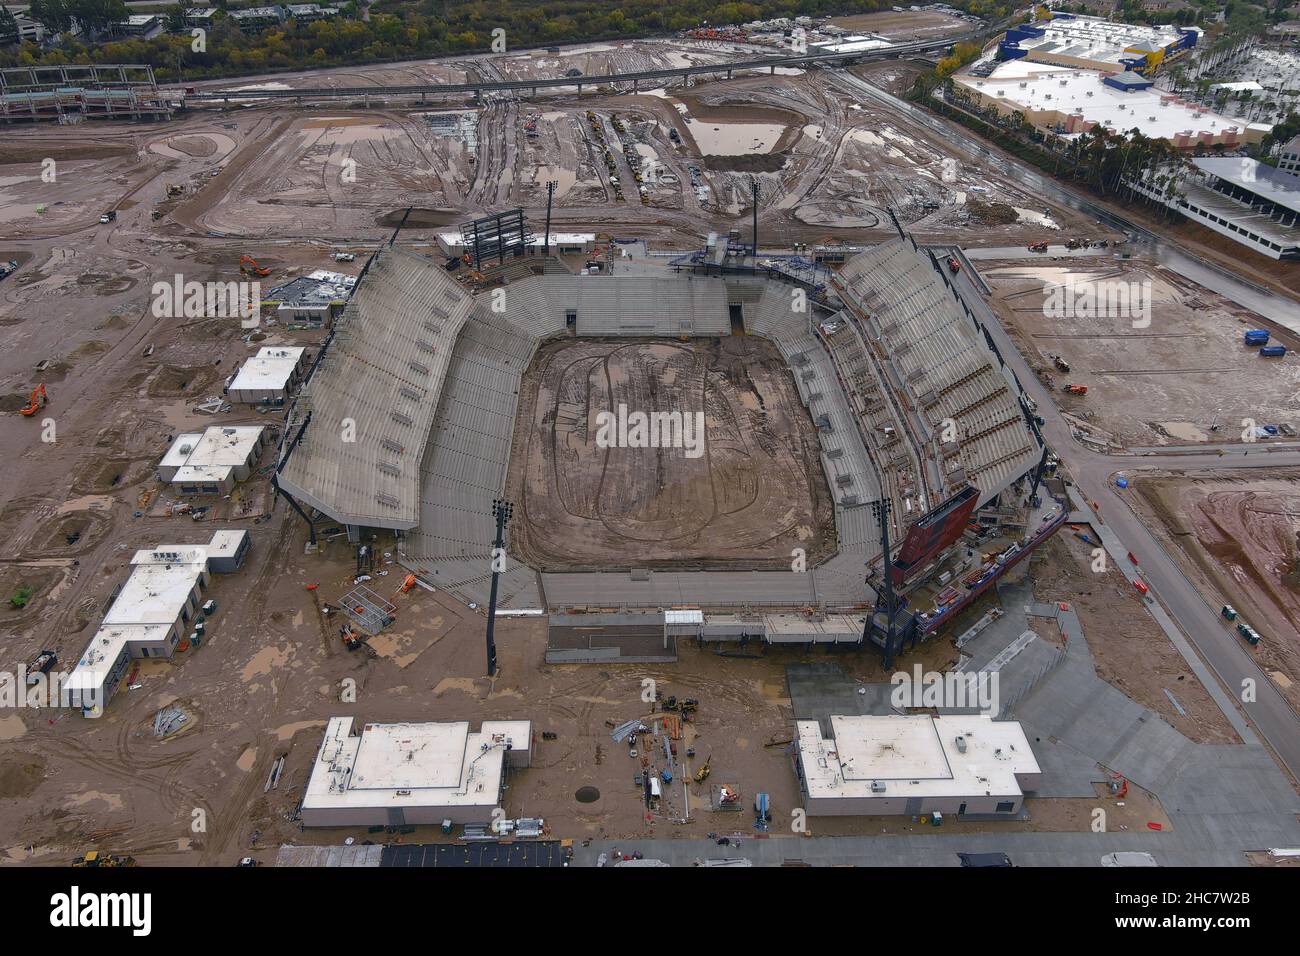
{"points": [[550, 193], [501, 510]]}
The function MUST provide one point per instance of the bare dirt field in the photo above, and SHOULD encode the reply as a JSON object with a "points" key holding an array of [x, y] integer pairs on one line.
{"points": [[1167, 382], [744, 493], [904, 24], [1131, 651], [1237, 537]]}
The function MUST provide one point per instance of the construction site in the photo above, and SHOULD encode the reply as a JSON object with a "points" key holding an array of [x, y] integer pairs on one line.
{"points": [[601, 458]]}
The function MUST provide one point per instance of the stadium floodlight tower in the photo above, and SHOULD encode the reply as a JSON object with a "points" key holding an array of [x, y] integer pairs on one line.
{"points": [[881, 510], [501, 510]]}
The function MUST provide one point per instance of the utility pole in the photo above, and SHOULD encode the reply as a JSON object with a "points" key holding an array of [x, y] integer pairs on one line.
{"points": [[550, 193], [881, 509], [501, 510]]}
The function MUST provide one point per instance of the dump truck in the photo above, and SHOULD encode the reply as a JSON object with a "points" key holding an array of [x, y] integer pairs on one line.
{"points": [[1075, 389], [1061, 363], [1037, 247], [107, 217], [953, 265]]}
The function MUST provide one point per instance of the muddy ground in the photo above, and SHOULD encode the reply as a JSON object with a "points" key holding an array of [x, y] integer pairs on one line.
{"points": [[743, 493], [1236, 537], [1162, 372]]}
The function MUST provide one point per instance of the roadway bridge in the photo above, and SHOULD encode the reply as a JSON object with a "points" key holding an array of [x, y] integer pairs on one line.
{"points": [[364, 93]]}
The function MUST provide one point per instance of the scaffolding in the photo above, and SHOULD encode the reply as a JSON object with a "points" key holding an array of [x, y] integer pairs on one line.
{"points": [[367, 610]]}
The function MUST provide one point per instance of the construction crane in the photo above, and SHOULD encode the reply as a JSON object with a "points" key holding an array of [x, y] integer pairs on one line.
{"points": [[38, 399], [248, 265]]}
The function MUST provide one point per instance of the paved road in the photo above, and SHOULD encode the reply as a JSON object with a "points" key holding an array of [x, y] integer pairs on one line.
{"points": [[1091, 472]]}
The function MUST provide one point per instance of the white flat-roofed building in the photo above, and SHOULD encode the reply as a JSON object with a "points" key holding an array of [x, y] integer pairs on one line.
{"points": [[150, 614], [211, 462], [269, 376], [887, 765], [1069, 102], [412, 773]]}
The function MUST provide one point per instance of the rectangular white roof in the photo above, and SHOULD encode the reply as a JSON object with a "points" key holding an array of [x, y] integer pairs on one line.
{"points": [[914, 756], [1036, 87], [149, 603], [270, 369], [411, 764], [155, 593], [224, 445]]}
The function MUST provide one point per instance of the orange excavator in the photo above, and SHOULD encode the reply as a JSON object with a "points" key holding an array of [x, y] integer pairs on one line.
{"points": [[38, 399], [248, 265]]}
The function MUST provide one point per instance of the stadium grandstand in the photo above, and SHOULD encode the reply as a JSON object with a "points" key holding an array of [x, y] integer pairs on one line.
{"points": [[908, 399], [357, 433]]}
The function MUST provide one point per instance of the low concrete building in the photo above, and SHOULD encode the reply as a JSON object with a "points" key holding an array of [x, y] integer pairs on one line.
{"points": [[269, 376], [257, 18], [139, 25], [889, 765], [309, 12], [311, 300], [200, 16], [408, 773], [212, 461], [150, 614]]}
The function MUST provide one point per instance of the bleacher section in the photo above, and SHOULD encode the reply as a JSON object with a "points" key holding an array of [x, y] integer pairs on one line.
{"points": [[464, 468], [926, 344], [372, 399], [639, 305], [465, 464]]}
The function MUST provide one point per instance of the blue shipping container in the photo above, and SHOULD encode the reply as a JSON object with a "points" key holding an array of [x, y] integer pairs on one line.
{"points": [[1272, 351], [1256, 336]]}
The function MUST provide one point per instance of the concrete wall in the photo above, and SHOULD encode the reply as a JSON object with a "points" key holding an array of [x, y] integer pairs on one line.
{"points": [[375, 816]]}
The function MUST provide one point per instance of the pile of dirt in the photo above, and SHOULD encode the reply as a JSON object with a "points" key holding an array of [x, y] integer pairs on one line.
{"points": [[20, 775], [175, 381], [992, 213]]}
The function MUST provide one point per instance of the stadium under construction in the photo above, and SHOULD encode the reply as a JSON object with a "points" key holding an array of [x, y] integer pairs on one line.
{"points": [[423, 411]]}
